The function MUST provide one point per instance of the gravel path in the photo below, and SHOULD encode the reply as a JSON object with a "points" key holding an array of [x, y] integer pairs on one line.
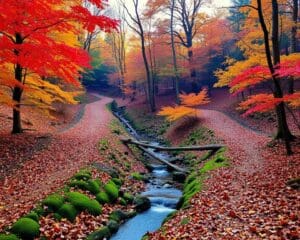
{"points": [[48, 169]]}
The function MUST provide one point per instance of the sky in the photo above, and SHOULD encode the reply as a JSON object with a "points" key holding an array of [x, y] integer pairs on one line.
{"points": [[217, 3]]}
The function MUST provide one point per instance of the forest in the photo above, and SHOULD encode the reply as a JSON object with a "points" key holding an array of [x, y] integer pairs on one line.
{"points": [[149, 119]]}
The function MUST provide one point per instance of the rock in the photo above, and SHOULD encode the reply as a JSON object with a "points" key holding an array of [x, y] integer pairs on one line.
{"points": [[102, 233], [179, 177], [141, 203], [113, 226], [111, 171]]}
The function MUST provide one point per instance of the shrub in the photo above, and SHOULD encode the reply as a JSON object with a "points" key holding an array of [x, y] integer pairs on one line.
{"points": [[102, 197], [26, 228], [68, 211], [33, 215], [8, 237], [112, 191], [54, 202], [82, 202]]}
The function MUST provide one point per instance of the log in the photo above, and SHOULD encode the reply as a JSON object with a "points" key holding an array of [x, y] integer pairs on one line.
{"points": [[173, 166], [213, 147]]}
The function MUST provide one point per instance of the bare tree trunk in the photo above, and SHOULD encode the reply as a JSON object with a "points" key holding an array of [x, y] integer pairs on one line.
{"points": [[175, 67]]}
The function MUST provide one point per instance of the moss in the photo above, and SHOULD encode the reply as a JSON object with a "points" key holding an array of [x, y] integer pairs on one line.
{"points": [[118, 216], [94, 208], [218, 161], [8, 237], [137, 176], [68, 211], [82, 202], [33, 215], [117, 181], [102, 197], [57, 217], [54, 202], [185, 221], [128, 197], [93, 186], [26, 228], [112, 191], [80, 184], [103, 144], [102, 233], [123, 202], [83, 175], [113, 226]]}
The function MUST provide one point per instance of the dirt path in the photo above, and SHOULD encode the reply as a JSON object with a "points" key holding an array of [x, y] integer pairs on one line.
{"points": [[47, 170]]}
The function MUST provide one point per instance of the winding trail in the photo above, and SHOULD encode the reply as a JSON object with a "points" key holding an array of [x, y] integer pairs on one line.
{"points": [[47, 170]]}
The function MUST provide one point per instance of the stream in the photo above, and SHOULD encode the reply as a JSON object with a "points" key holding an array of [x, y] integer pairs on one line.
{"points": [[160, 190]]}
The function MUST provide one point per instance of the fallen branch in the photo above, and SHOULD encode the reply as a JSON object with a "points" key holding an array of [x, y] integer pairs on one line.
{"points": [[213, 147]]}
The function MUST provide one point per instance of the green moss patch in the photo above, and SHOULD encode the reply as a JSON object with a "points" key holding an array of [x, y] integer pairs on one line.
{"points": [[138, 176], [112, 191], [68, 211], [82, 202], [26, 228], [83, 175], [54, 202], [8, 237], [33, 215], [103, 197], [102, 233]]}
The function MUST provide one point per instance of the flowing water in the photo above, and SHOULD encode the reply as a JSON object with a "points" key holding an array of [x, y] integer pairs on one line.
{"points": [[161, 192]]}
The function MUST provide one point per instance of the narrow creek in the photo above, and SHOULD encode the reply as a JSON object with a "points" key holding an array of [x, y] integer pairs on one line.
{"points": [[161, 191]]}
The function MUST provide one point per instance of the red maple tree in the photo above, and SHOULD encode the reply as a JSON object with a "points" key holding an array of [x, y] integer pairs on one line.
{"points": [[28, 44]]}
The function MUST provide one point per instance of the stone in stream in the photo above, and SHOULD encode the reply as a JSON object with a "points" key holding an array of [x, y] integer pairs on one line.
{"points": [[179, 177], [141, 203]]}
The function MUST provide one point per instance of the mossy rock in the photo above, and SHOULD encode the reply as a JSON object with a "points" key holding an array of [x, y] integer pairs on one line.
{"points": [[113, 226], [83, 175], [57, 217], [117, 181], [100, 234], [141, 203], [33, 215], [112, 191], [137, 176], [128, 197], [94, 208], [26, 228], [81, 184], [122, 201], [68, 211], [82, 202], [8, 237], [54, 202], [102, 197], [118, 216], [93, 186]]}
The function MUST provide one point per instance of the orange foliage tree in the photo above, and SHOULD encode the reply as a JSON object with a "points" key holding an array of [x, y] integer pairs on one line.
{"points": [[187, 108]]}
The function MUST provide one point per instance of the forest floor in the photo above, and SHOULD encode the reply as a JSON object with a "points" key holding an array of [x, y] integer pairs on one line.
{"points": [[248, 200], [38, 163]]}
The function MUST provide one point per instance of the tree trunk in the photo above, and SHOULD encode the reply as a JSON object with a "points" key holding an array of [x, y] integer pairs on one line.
{"points": [[283, 131], [17, 93], [293, 42], [175, 67]]}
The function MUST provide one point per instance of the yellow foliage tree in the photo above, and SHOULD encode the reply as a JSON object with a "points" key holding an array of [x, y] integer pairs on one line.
{"points": [[187, 108]]}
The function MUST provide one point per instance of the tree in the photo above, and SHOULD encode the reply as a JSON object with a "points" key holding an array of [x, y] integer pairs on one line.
{"points": [[29, 49]]}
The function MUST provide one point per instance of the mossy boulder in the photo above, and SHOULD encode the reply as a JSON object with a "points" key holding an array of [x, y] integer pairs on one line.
{"points": [[93, 186], [82, 202], [33, 215], [26, 228], [53, 202], [68, 211], [138, 176], [113, 226], [141, 203], [118, 216], [128, 197], [83, 175], [112, 191], [102, 233], [8, 237], [117, 181], [103, 197], [81, 184]]}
